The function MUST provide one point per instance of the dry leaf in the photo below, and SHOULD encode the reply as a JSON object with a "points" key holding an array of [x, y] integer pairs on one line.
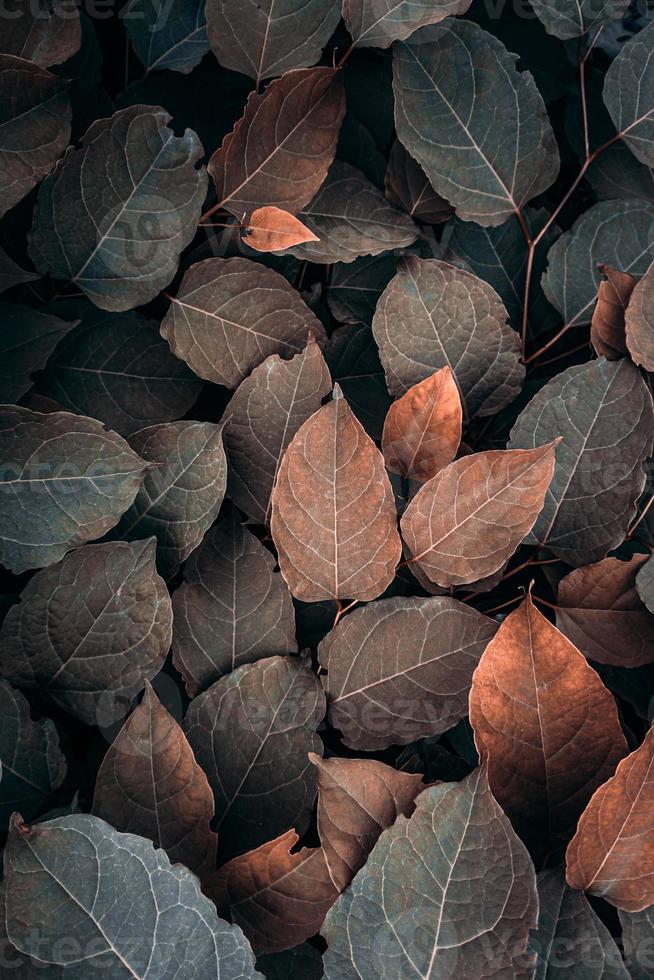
{"points": [[639, 322], [607, 328], [271, 230]]}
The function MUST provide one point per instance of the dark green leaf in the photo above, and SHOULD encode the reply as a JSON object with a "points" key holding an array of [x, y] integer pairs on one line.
{"points": [[629, 94], [27, 339], [171, 34], [574, 18]]}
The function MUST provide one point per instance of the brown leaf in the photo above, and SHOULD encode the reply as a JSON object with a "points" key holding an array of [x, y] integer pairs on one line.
{"points": [[465, 522], [639, 322], [357, 799], [422, 430], [607, 329], [612, 853], [406, 185], [333, 512], [545, 723], [278, 898], [270, 229], [400, 669], [150, 784], [263, 416], [280, 150], [600, 611]]}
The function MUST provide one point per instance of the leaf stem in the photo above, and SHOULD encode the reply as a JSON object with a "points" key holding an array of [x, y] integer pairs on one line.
{"points": [[639, 518]]}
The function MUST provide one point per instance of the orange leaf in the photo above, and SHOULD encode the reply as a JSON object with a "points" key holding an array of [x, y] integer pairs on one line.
{"points": [[270, 229], [545, 723], [612, 853], [422, 430], [607, 330]]}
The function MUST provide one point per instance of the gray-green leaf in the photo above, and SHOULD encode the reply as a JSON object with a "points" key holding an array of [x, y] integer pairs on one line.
{"points": [[488, 149], [65, 479], [27, 339], [377, 23], [170, 34], [574, 18], [83, 896], [117, 211], [89, 631], [629, 94], [450, 892]]}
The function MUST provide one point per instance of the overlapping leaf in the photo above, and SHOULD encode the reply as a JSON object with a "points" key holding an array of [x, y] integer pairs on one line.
{"points": [[545, 724], [629, 94], [406, 185], [401, 669], [229, 315], [639, 322], [65, 480], [350, 217], [251, 732], [637, 942], [413, 906], [333, 516], [611, 854], [35, 116], [90, 630], [181, 492], [433, 315], [120, 238], [466, 521], [487, 149], [32, 763], [264, 414], [171, 35], [600, 611], [27, 339], [267, 39], [280, 150], [574, 18], [353, 359], [278, 897], [122, 904], [272, 230], [377, 23], [607, 328], [233, 608], [602, 410], [150, 784], [11, 274]]}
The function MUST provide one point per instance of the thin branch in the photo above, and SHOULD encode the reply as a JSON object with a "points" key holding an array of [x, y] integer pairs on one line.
{"points": [[341, 610], [640, 517]]}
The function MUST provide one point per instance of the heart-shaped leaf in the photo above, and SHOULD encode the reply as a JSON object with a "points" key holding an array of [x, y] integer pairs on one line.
{"points": [[233, 608], [150, 784], [32, 763], [264, 414], [65, 480], [280, 150], [229, 315], [120, 902], [333, 515], [602, 411], [487, 149], [119, 240], [412, 904], [544, 722], [432, 315], [465, 522], [89, 631], [251, 732], [400, 669]]}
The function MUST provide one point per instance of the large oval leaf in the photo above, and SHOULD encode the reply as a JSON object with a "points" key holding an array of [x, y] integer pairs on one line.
{"points": [[544, 722], [465, 522], [119, 238], [414, 904], [603, 412], [574, 18], [377, 23], [333, 514], [150, 784], [629, 94], [78, 892], [611, 854], [270, 38], [400, 669], [615, 233], [35, 115], [32, 764], [432, 315], [91, 630], [65, 480], [280, 150], [487, 149], [350, 217], [117, 368], [172, 35], [264, 414], [229, 315], [182, 491], [46, 32], [251, 732], [233, 608]]}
